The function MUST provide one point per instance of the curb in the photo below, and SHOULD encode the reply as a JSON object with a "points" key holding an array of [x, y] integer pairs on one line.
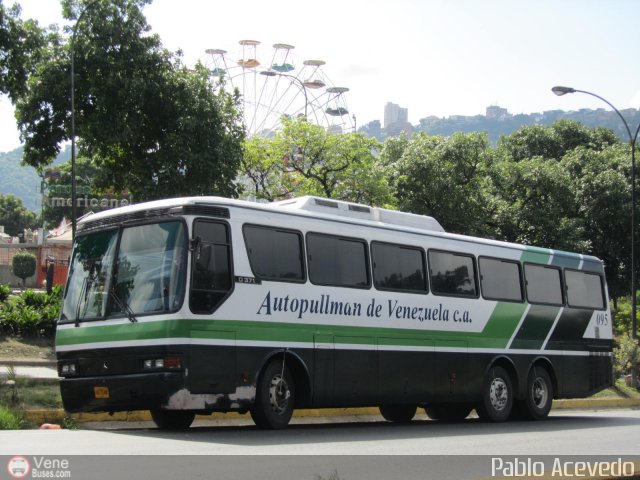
{"points": [[43, 416], [5, 362]]}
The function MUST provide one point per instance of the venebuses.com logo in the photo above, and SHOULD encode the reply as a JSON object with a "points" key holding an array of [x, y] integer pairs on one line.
{"points": [[39, 467], [18, 467]]}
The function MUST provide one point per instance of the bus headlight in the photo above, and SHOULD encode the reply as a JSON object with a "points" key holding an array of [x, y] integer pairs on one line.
{"points": [[67, 369], [170, 363]]}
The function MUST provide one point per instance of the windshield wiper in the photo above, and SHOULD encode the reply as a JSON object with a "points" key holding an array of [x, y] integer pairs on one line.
{"points": [[123, 306], [83, 293]]}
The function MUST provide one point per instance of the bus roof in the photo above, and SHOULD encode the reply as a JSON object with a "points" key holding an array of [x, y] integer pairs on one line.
{"points": [[335, 210]]}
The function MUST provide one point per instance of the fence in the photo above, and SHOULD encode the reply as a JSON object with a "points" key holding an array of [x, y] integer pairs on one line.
{"points": [[58, 254]]}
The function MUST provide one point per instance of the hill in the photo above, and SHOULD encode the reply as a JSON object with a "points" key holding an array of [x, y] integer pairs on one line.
{"points": [[23, 181], [499, 121]]}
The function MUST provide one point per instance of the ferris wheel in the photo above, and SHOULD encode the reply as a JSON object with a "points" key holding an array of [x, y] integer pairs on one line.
{"points": [[273, 85]]}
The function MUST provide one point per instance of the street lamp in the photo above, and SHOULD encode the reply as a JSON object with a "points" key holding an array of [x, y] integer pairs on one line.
{"points": [[559, 90], [74, 208]]}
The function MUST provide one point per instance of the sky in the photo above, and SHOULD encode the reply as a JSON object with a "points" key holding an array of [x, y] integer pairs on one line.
{"points": [[434, 57]]}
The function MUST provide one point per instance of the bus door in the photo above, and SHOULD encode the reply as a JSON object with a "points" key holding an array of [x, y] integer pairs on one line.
{"points": [[213, 359]]}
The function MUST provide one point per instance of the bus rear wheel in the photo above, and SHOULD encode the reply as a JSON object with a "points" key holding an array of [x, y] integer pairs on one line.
{"points": [[497, 396], [537, 403], [275, 397], [453, 412], [398, 413], [172, 419]]}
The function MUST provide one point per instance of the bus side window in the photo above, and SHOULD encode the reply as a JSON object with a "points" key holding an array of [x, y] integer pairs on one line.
{"points": [[544, 284], [275, 253], [584, 290], [211, 266], [501, 279], [453, 274], [398, 268], [338, 261]]}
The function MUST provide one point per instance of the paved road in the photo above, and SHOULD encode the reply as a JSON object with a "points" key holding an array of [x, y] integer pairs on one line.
{"points": [[606, 432], [344, 450]]}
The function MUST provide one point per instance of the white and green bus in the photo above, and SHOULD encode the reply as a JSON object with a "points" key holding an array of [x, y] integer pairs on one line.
{"points": [[197, 305]]}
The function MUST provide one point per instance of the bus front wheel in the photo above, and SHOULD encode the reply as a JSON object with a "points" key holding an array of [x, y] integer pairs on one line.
{"points": [[497, 396], [172, 419], [398, 413], [275, 397]]}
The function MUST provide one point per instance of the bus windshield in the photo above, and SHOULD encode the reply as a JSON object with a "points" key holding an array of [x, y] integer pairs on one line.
{"points": [[126, 272]]}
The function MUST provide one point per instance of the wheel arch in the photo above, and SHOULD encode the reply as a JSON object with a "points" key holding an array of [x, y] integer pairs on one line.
{"points": [[506, 363], [299, 372]]}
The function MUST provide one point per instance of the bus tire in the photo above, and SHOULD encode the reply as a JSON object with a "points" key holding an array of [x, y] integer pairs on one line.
{"points": [[453, 412], [275, 397], [172, 419], [398, 413], [497, 396], [537, 402]]}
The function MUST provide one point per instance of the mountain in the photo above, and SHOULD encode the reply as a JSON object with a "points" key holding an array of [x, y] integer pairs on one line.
{"points": [[23, 181]]}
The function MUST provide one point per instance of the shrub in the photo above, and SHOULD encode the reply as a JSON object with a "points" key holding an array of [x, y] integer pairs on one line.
{"points": [[5, 291], [24, 266], [31, 314], [626, 353]]}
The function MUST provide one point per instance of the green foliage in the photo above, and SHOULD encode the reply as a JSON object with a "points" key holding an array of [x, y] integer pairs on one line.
{"points": [[626, 354], [5, 291], [9, 420], [31, 314], [138, 109], [14, 216], [20, 44], [535, 204], [305, 159], [445, 178], [24, 265]]}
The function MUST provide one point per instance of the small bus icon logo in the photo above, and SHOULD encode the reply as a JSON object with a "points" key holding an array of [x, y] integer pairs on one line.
{"points": [[18, 467]]}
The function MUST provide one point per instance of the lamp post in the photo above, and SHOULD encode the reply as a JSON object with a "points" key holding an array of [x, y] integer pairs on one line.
{"points": [[558, 90], [74, 208]]}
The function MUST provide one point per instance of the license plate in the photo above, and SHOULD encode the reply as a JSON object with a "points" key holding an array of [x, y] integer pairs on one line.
{"points": [[101, 392]]}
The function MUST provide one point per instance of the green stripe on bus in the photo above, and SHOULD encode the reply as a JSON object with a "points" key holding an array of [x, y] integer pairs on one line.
{"points": [[496, 333], [536, 255], [535, 327]]}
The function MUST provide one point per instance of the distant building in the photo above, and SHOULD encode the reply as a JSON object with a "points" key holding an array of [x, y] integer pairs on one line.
{"points": [[497, 113], [395, 114]]}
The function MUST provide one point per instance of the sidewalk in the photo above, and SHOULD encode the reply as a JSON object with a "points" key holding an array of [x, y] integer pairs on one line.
{"points": [[30, 368]]}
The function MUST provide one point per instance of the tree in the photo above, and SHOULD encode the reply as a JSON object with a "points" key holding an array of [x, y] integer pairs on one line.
{"points": [[601, 181], [14, 216], [20, 45], [567, 187], [24, 266], [553, 142], [535, 204], [446, 178], [138, 109], [305, 159], [86, 173]]}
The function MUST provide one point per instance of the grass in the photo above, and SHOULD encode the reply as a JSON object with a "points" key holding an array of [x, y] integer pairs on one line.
{"points": [[12, 348], [9, 419], [32, 394], [619, 390]]}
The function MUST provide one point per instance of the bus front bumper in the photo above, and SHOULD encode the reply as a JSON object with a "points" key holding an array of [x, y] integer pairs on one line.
{"points": [[119, 392]]}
